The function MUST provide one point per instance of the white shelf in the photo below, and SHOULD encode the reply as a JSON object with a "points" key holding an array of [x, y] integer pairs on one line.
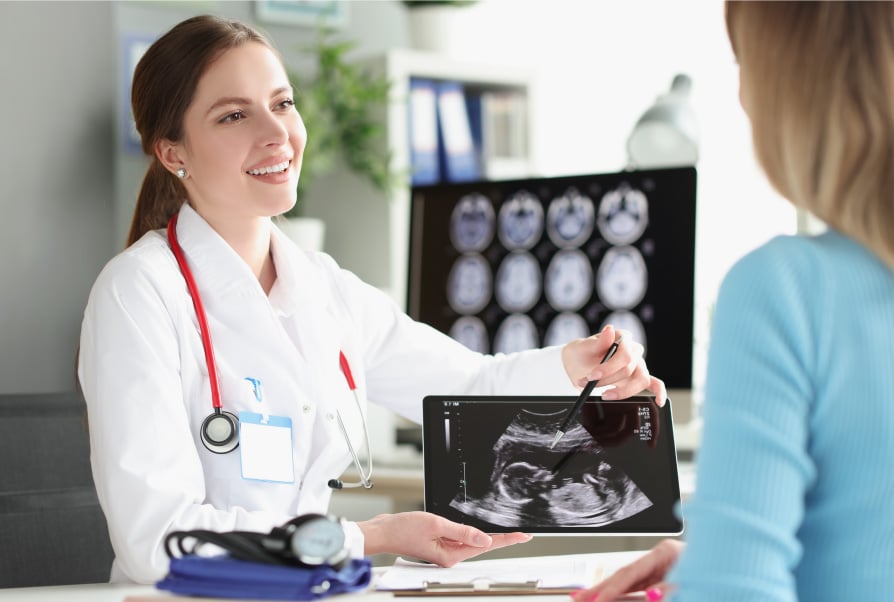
{"points": [[367, 232]]}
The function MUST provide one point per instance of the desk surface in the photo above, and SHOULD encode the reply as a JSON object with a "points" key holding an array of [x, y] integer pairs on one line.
{"points": [[107, 592]]}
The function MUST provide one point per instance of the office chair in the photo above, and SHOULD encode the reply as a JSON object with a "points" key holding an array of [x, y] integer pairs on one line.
{"points": [[52, 530]]}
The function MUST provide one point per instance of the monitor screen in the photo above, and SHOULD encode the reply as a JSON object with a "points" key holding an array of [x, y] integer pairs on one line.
{"points": [[503, 266], [489, 464]]}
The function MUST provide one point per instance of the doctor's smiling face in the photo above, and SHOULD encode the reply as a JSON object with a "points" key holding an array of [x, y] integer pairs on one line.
{"points": [[243, 139]]}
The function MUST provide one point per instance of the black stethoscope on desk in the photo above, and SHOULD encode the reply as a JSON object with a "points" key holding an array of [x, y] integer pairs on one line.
{"points": [[220, 430]]}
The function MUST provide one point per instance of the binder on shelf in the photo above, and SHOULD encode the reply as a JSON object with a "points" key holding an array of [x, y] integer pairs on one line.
{"points": [[474, 110], [459, 158], [423, 128], [504, 135]]}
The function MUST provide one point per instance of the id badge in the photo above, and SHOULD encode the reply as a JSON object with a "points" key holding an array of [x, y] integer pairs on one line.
{"points": [[266, 447]]}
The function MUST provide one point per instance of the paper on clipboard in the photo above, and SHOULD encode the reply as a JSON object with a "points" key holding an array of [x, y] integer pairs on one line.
{"points": [[532, 575]]}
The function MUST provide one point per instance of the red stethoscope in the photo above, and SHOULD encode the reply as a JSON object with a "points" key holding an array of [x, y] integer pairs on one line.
{"points": [[220, 430]]}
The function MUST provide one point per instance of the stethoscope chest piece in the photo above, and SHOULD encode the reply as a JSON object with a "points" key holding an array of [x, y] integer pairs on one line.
{"points": [[220, 432]]}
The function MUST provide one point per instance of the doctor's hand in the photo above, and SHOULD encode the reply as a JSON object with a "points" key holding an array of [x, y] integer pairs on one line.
{"points": [[646, 573], [626, 369], [430, 537]]}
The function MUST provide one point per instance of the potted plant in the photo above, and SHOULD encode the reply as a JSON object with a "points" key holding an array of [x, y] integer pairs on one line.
{"points": [[341, 105], [434, 24]]}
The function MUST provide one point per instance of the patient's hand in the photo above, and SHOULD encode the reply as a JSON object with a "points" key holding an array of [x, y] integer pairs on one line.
{"points": [[646, 573]]}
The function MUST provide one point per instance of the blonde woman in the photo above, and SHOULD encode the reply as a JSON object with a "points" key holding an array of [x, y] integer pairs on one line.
{"points": [[795, 481]]}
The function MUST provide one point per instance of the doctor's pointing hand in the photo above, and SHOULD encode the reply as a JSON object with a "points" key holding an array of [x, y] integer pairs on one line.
{"points": [[212, 323]]}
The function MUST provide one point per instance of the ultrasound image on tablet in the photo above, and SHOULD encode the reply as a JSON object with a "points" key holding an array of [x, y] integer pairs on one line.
{"points": [[531, 484], [488, 463]]}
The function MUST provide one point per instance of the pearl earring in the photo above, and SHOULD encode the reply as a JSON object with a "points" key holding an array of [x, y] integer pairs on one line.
{"points": [[181, 173]]}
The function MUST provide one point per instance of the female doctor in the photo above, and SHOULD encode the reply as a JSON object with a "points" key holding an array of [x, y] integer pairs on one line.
{"points": [[212, 322]]}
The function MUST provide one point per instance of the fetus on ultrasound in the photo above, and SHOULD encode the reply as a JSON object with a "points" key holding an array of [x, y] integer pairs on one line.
{"points": [[533, 486]]}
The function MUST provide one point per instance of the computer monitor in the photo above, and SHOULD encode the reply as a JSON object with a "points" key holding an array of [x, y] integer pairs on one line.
{"points": [[503, 266]]}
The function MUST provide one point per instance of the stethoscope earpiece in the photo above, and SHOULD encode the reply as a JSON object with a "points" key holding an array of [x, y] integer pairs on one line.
{"points": [[220, 432]]}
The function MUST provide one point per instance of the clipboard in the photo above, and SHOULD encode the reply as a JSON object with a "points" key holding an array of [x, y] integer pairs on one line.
{"points": [[517, 576], [525, 588], [483, 587], [526, 576]]}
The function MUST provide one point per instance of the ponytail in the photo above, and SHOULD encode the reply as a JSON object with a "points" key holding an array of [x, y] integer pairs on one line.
{"points": [[160, 197]]}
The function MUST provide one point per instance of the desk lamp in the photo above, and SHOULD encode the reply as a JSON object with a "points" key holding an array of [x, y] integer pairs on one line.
{"points": [[667, 133]]}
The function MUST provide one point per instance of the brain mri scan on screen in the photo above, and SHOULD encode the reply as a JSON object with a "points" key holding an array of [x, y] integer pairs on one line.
{"points": [[510, 265]]}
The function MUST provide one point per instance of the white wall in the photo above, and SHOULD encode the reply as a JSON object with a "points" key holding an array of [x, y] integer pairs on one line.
{"points": [[599, 65], [57, 93], [67, 190]]}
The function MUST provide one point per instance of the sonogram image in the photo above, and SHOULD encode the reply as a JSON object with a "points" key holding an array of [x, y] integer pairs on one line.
{"points": [[531, 485]]}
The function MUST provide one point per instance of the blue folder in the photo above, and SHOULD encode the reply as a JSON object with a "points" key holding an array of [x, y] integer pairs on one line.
{"points": [[459, 157], [423, 128]]}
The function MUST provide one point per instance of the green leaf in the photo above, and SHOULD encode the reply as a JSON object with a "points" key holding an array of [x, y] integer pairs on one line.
{"points": [[342, 105]]}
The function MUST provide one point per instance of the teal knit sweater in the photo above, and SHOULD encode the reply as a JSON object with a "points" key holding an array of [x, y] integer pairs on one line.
{"points": [[794, 497]]}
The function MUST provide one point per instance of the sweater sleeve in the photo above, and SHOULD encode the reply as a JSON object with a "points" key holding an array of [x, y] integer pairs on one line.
{"points": [[753, 465]]}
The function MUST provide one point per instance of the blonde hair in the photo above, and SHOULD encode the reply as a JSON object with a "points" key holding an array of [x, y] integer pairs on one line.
{"points": [[818, 82]]}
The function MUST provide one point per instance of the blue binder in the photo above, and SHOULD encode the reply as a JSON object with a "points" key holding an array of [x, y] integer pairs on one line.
{"points": [[423, 128], [458, 156], [475, 111]]}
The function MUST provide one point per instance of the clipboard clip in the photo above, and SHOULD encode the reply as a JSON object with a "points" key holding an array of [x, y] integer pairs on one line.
{"points": [[481, 585]]}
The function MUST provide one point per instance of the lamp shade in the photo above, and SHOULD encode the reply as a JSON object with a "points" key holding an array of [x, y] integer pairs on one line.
{"points": [[667, 133]]}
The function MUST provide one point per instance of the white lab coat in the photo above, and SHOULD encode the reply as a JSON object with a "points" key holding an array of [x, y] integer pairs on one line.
{"points": [[143, 372]]}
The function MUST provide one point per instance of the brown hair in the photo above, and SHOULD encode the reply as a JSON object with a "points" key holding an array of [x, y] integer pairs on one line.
{"points": [[818, 84], [164, 83]]}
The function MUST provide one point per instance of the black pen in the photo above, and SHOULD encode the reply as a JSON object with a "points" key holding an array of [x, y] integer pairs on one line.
{"points": [[588, 388]]}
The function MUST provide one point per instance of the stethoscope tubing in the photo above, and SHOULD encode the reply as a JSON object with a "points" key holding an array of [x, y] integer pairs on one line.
{"points": [[205, 331], [200, 312], [365, 478]]}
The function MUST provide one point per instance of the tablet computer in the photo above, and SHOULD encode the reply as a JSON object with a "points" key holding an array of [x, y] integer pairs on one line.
{"points": [[488, 463]]}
